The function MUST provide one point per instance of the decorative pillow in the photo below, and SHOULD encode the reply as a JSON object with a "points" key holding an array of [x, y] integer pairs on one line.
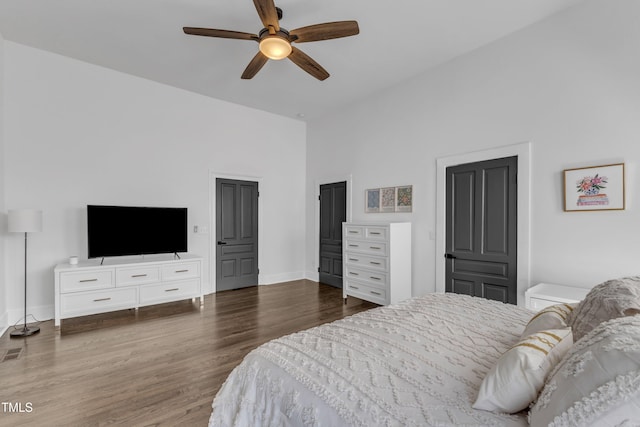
{"points": [[552, 317], [609, 300], [514, 382], [598, 382]]}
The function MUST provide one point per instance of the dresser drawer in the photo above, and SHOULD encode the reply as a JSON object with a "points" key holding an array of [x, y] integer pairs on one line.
{"points": [[378, 278], [83, 303], [360, 260], [366, 292], [373, 248], [376, 233], [137, 275], [86, 280], [353, 231], [182, 270], [174, 291]]}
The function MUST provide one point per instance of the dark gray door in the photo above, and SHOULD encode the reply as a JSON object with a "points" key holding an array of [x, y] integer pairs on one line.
{"points": [[237, 234], [333, 212], [481, 233]]}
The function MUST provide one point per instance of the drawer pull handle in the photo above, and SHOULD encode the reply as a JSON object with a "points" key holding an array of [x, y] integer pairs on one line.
{"points": [[138, 275], [171, 290], [374, 278], [374, 263], [354, 287], [101, 299], [375, 247], [353, 274], [353, 232], [88, 280], [354, 259], [375, 293], [375, 232], [181, 271], [353, 246]]}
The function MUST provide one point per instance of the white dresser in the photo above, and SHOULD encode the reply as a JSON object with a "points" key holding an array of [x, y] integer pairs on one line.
{"points": [[377, 261], [91, 288]]}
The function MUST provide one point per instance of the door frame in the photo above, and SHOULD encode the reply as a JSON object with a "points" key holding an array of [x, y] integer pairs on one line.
{"points": [[523, 152], [213, 237], [314, 275]]}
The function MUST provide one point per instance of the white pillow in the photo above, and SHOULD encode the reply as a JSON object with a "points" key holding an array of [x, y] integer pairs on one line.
{"points": [[515, 380], [609, 300], [598, 382], [552, 317]]}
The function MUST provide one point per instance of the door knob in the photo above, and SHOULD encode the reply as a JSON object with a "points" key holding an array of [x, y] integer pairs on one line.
{"points": [[220, 242], [449, 256]]}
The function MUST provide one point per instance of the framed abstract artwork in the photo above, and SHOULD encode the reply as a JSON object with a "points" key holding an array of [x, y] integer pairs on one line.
{"points": [[372, 200], [594, 188], [389, 199]]}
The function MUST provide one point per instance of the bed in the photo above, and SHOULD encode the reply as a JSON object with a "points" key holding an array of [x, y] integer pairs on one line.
{"points": [[421, 362]]}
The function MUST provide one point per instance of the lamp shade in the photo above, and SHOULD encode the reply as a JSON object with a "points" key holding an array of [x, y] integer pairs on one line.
{"points": [[25, 220]]}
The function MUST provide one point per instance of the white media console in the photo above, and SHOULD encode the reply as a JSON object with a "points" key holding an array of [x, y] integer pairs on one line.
{"points": [[90, 287]]}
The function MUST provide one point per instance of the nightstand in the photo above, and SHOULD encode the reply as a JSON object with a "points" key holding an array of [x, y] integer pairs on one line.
{"points": [[545, 294]]}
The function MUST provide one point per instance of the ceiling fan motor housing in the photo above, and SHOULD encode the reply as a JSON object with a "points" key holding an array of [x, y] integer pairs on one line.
{"points": [[276, 42]]}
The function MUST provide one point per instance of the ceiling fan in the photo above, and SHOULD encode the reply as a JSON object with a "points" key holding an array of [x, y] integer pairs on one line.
{"points": [[275, 41]]}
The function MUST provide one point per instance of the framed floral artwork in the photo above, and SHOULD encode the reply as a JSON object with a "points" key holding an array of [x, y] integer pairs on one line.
{"points": [[389, 199], [404, 198], [594, 188]]}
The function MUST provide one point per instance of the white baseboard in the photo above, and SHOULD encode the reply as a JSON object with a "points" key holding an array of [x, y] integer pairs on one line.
{"points": [[312, 275], [4, 324], [42, 313], [270, 279]]}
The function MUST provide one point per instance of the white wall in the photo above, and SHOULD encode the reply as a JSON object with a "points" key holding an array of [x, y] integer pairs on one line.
{"points": [[568, 84], [78, 134], [3, 228]]}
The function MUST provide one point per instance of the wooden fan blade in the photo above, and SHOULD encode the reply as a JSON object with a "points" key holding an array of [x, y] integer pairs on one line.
{"points": [[225, 34], [254, 66], [268, 14], [305, 62], [327, 31]]}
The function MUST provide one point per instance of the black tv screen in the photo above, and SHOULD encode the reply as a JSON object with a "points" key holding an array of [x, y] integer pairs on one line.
{"points": [[131, 230]]}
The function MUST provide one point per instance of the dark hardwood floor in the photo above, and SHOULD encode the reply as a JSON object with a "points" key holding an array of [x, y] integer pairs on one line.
{"points": [[158, 365]]}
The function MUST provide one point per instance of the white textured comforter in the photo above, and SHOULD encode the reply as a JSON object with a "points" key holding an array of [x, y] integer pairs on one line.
{"points": [[417, 363]]}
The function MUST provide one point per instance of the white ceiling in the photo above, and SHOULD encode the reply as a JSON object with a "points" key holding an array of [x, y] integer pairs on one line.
{"points": [[398, 39]]}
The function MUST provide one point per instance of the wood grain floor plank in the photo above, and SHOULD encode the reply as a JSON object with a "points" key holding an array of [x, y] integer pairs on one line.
{"points": [[157, 366]]}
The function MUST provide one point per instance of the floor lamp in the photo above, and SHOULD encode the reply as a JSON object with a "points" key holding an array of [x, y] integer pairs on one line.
{"points": [[25, 221]]}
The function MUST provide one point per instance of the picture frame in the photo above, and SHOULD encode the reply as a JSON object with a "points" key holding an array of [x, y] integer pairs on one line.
{"points": [[594, 188], [404, 198], [372, 200], [389, 199]]}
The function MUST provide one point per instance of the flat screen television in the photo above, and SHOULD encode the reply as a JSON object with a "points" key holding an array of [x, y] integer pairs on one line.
{"points": [[133, 230]]}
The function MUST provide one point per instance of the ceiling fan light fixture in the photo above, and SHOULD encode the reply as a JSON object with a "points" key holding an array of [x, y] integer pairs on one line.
{"points": [[275, 47]]}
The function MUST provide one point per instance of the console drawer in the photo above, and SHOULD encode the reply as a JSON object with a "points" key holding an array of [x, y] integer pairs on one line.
{"points": [[174, 291], [180, 270], [137, 275], [84, 303], [78, 281]]}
